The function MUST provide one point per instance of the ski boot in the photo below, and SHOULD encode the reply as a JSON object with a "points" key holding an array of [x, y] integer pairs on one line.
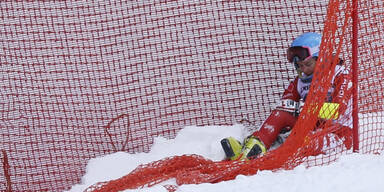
{"points": [[252, 148], [231, 147]]}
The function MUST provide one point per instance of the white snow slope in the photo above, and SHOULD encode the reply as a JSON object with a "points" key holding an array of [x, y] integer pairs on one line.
{"points": [[352, 173]]}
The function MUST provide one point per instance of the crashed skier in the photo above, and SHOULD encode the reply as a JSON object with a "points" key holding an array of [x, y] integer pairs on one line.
{"points": [[303, 53]]}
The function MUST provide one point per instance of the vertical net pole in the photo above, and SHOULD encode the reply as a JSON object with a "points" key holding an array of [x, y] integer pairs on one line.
{"points": [[355, 73], [6, 172]]}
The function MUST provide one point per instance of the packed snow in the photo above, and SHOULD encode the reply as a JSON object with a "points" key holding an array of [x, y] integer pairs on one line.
{"points": [[352, 173]]}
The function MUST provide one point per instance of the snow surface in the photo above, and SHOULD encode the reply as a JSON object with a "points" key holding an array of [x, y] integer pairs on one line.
{"points": [[352, 173]]}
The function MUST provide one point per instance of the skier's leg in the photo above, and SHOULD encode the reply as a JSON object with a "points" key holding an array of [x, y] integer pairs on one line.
{"points": [[272, 127]]}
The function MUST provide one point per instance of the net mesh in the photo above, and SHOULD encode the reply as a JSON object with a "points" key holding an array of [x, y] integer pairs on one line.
{"points": [[81, 79]]}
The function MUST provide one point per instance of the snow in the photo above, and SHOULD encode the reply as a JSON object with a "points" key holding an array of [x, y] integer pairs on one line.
{"points": [[352, 173]]}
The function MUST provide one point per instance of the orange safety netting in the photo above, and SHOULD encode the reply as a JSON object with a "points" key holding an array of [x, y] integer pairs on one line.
{"points": [[81, 79], [336, 44]]}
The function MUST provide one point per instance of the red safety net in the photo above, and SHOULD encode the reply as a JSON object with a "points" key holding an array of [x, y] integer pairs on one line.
{"points": [[81, 79]]}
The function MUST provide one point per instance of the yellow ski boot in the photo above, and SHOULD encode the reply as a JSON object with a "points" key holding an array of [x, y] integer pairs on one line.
{"points": [[252, 148], [231, 147]]}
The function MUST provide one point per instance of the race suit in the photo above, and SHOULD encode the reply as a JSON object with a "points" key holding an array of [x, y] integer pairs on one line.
{"points": [[297, 90]]}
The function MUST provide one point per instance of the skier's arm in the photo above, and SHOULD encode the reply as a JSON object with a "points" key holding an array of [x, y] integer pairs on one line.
{"points": [[289, 100], [342, 88], [336, 102]]}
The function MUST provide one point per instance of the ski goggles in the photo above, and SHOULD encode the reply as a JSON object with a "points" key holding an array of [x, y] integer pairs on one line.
{"points": [[296, 54]]}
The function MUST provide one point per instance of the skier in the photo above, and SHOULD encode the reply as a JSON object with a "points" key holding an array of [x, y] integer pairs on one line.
{"points": [[303, 53]]}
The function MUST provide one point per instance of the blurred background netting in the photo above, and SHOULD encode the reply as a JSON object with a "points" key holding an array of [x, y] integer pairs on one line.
{"points": [[81, 79]]}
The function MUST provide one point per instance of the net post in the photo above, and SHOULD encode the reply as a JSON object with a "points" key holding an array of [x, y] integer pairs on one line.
{"points": [[355, 73], [6, 171]]}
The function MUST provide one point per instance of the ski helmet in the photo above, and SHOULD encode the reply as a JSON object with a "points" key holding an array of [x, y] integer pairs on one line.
{"points": [[304, 46]]}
